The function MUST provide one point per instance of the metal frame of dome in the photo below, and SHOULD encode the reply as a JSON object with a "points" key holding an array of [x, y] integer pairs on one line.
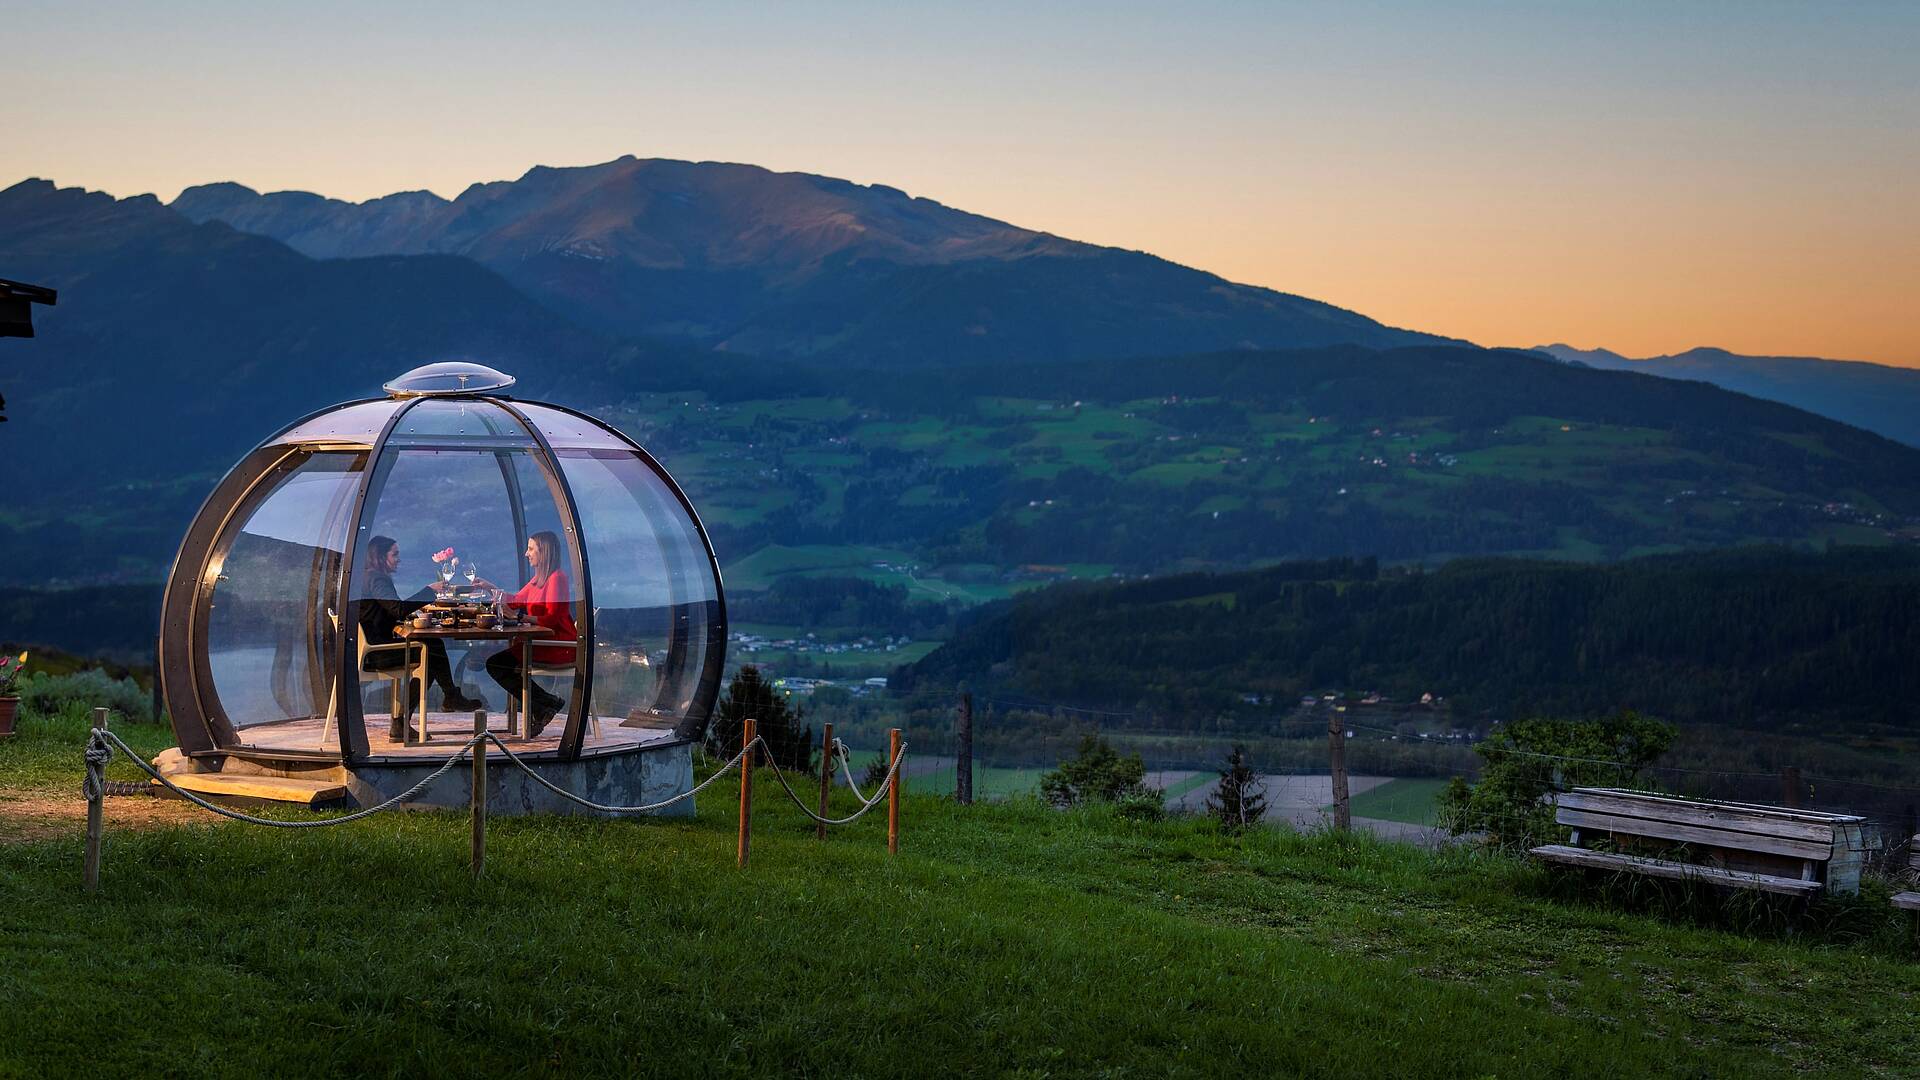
{"points": [[183, 670]]}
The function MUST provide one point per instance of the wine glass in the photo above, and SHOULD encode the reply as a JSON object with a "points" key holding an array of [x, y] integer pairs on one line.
{"points": [[446, 571], [471, 571]]}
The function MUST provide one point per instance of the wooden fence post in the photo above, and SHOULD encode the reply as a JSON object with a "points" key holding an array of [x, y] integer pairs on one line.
{"points": [[1790, 786], [893, 792], [749, 731], [1337, 760], [963, 766], [96, 797], [826, 776], [479, 794]]}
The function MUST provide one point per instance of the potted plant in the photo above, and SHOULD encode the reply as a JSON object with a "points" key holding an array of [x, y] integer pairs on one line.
{"points": [[10, 670]]}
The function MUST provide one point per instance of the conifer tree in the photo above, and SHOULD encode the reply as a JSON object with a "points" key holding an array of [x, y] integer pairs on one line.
{"points": [[749, 695], [1240, 798]]}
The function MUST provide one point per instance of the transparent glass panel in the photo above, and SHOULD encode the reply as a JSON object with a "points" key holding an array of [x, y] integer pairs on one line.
{"points": [[449, 377], [274, 575], [655, 596], [481, 507], [360, 424], [565, 431], [460, 420]]}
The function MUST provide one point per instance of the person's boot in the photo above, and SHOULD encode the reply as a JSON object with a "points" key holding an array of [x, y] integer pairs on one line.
{"points": [[454, 699], [545, 707], [397, 731]]}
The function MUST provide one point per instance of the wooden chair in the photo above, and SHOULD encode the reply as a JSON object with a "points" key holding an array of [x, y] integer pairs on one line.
{"points": [[401, 677], [535, 667]]}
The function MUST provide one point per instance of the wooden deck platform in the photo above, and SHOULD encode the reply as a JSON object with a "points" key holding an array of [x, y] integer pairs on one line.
{"points": [[255, 788], [449, 729]]}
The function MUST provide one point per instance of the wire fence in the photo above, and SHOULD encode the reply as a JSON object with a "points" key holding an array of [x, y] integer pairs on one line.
{"points": [[1396, 774]]}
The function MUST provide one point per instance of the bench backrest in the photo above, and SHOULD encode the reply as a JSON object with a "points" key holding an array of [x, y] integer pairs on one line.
{"points": [[1797, 834]]}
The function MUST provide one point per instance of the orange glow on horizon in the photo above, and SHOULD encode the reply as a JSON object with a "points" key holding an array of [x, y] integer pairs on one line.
{"points": [[1642, 179]]}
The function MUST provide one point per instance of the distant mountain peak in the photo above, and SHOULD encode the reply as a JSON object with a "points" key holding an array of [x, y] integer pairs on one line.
{"points": [[735, 256], [1878, 397]]}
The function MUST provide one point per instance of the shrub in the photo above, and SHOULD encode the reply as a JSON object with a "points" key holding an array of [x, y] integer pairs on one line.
{"points": [[46, 695], [1142, 804], [876, 774], [1099, 773], [1530, 758]]}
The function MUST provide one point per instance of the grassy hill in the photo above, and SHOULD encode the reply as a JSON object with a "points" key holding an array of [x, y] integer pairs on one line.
{"points": [[1003, 940]]}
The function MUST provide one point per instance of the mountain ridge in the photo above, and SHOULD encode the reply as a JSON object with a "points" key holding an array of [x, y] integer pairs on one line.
{"points": [[1878, 397], [743, 259]]}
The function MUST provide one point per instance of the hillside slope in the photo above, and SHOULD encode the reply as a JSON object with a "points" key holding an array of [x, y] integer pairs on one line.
{"points": [[1007, 939], [1876, 397], [740, 258], [1758, 638], [1232, 458], [177, 346]]}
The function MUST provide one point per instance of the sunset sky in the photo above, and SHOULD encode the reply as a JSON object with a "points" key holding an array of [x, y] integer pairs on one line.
{"points": [[1645, 178]]}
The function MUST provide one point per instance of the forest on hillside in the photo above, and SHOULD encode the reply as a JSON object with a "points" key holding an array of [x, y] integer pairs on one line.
{"points": [[1758, 638]]}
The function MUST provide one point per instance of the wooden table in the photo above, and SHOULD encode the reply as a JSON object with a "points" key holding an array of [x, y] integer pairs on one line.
{"points": [[521, 636]]}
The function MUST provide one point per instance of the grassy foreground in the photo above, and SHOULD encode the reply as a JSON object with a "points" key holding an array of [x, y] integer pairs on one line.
{"points": [[1005, 939]]}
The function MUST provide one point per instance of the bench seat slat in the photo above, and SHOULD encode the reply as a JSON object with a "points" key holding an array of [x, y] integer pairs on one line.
{"points": [[1907, 901], [1699, 814], [1817, 817], [1601, 860], [1694, 834]]}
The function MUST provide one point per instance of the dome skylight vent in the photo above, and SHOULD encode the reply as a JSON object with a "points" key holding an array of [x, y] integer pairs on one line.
{"points": [[452, 378]]}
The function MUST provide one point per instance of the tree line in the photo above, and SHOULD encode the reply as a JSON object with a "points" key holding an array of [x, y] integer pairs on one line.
{"points": [[1760, 638]]}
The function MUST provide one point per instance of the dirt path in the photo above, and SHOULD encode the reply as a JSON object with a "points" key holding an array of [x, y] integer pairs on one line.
{"points": [[47, 814]]}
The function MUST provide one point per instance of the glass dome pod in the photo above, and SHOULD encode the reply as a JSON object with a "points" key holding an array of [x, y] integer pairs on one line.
{"points": [[278, 632]]}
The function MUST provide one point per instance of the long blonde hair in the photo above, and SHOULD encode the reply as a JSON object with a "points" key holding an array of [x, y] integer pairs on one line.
{"points": [[546, 545]]}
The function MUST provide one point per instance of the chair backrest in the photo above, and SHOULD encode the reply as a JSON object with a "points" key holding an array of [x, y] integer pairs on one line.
{"points": [[359, 641]]}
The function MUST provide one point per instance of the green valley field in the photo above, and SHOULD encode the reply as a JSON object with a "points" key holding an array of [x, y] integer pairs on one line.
{"points": [[1005, 939]]}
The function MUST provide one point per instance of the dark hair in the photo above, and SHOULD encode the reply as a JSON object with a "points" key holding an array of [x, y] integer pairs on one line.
{"points": [[547, 543], [377, 549]]}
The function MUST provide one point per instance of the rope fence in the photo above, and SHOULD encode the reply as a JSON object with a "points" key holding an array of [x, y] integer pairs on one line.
{"points": [[102, 742]]}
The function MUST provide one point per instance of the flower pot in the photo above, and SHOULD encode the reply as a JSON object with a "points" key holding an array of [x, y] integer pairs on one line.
{"points": [[9, 708]]}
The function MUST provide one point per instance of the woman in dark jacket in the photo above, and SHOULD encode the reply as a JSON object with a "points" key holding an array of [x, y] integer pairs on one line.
{"points": [[381, 610]]}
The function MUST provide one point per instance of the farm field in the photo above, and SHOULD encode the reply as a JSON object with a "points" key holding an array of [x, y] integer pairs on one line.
{"points": [[1098, 946], [760, 569], [1411, 800], [977, 498]]}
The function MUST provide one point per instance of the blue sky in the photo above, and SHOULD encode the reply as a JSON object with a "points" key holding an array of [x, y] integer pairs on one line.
{"points": [[1645, 177]]}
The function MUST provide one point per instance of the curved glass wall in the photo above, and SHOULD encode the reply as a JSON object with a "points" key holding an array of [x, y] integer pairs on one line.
{"points": [[360, 424], [654, 590], [273, 575], [462, 479], [292, 605]]}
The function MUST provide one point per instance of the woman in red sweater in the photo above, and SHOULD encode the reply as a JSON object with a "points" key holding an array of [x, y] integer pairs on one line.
{"points": [[547, 600]]}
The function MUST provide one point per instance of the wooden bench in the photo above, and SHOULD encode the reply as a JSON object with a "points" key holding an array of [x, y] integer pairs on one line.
{"points": [[1742, 845], [1910, 901]]}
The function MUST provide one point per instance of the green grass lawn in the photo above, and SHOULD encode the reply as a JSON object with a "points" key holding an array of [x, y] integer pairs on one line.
{"points": [[1005, 939]]}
